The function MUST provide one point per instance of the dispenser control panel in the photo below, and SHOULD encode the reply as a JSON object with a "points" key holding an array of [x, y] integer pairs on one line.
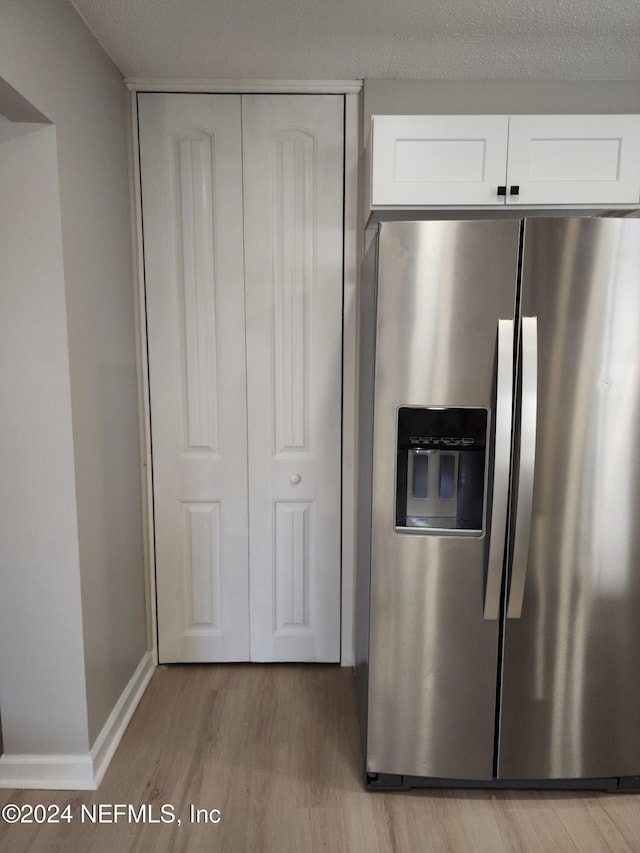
{"points": [[430, 442]]}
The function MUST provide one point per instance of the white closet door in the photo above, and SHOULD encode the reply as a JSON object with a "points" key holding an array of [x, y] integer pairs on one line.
{"points": [[293, 189], [192, 208]]}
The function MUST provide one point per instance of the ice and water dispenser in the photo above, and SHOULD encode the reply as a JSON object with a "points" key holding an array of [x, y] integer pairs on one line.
{"points": [[440, 477]]}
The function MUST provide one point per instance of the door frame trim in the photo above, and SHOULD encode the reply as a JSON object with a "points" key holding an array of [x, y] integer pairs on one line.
{"points": [[352, 252], [222, 86]]}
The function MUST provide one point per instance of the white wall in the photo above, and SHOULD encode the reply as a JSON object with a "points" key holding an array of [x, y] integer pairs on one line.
{"points": [[49, 56], [42, 681]]}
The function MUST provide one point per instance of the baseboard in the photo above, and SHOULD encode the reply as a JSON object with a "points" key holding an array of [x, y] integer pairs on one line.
{"points": [[107, 741], [84, 771], [50, 772]]}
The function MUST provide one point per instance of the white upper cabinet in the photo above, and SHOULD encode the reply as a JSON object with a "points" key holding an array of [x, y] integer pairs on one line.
{"points": [[420, 161], [588, 159]]}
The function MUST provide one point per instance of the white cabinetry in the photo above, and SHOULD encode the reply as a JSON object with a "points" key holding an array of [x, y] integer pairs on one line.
{"points": [[242, 208], [419, 161], [586, 159]]}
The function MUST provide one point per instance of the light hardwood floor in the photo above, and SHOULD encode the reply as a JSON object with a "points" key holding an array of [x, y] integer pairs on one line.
{"points": [[276, 749]]}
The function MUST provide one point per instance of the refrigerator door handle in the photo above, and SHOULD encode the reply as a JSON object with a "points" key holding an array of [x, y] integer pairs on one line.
{"points": [[524, 502], [504, 400]]}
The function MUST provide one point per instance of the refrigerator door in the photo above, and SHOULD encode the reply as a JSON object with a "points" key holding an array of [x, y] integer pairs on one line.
{"points": [[443, 287], [571, 668]]}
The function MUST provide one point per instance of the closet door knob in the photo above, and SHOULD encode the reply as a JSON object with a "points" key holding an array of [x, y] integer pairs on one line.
{"points": [[294, 479]]}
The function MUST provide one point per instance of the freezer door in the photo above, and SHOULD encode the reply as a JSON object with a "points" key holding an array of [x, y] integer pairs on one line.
{"points": [[443, 287], [571, 678]]}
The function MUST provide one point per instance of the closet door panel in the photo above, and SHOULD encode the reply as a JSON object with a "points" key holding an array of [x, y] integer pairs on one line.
{"points": [[293, 192], [191, 172]]}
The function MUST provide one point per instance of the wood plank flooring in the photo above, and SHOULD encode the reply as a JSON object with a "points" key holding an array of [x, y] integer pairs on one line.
{"points": [[275, 748]]}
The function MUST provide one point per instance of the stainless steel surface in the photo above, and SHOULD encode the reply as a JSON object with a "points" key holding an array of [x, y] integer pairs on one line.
{"points": [[432, 656], [366, 367], [571, 674], [526, 465], [504, 403]]}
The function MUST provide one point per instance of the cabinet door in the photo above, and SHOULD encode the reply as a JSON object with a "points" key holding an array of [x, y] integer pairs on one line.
{"points": [[293, 179], [579, 159], [438, 160], [191, 173]]}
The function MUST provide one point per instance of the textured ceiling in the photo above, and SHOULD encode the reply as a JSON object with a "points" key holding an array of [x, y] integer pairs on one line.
{"points": [[343, 39]]}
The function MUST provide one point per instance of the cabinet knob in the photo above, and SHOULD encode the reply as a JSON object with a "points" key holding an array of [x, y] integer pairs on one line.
{"points": [[515, 189], [294, 479], [502, 190]]}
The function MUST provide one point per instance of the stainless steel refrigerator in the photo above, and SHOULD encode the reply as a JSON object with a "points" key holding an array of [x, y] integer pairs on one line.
{"points": [[498, 580]]}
